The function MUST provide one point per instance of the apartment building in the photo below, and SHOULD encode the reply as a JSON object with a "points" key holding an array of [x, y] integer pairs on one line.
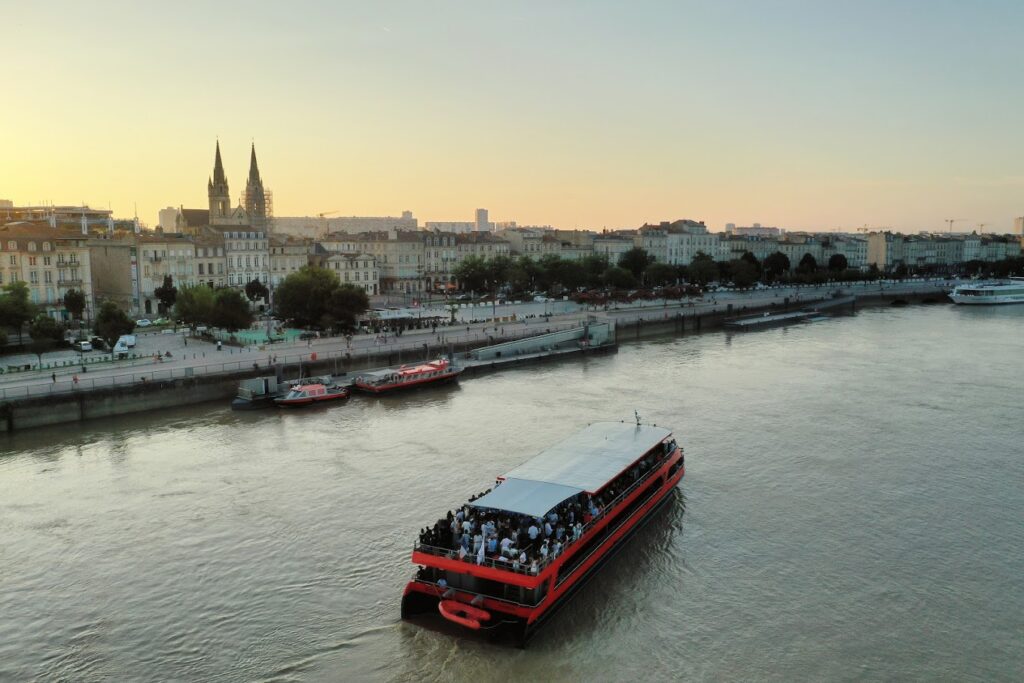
{"points": [[50, 261]]}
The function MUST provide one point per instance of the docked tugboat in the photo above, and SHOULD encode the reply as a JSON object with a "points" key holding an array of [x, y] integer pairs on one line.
{"points": [[408, 377], [307, 394], [507, 560]]}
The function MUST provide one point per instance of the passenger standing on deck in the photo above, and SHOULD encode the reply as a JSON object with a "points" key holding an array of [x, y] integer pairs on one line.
{"points": [[532, 532]]}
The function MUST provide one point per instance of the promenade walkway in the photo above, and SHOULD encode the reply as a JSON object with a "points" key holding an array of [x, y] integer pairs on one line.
{"points": [[202, 358]]}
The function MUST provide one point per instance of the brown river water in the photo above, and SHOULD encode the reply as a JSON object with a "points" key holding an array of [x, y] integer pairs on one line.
{"points": [[852, 510]]}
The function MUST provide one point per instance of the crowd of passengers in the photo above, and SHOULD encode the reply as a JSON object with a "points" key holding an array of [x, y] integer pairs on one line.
{"points": [[523, 543]]}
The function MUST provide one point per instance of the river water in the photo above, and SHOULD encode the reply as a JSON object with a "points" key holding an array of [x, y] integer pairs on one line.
{"points": [[852, 510]]}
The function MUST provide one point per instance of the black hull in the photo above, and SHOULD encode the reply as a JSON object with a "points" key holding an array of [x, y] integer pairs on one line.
{"points": [[516, 629], [252, 404]]}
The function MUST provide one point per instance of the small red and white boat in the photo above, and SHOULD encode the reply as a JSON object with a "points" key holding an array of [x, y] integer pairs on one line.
{"points": [[306, 394], [406, 377]]}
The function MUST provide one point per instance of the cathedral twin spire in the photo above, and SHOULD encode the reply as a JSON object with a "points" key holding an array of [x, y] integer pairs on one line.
{"points": [[220, 196]]}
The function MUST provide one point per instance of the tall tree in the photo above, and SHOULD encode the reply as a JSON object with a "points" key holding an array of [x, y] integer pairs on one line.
{"points": [[347, 303], [594, 265], [194, 305], [497, 269], [618, 278], [231, 311], [304, 295], [750, 258], [74, 302], [776, 265], [636, 261], [46, 333], [167, 294], [743, 273], [472, 274], [254, 289], [837, 262], [15, 307], [658, 274], [111, 323], [808, 264], [702, 269]]}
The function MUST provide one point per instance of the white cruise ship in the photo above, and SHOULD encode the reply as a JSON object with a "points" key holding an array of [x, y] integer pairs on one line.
{"points": [[1011, 292]]}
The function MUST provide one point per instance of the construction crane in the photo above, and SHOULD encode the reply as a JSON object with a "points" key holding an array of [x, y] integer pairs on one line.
{"points": [[950, 221]]}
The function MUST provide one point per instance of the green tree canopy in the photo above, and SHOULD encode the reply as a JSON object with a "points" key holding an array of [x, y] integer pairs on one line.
{"points": [[194, 305], [837, 262], [636, 261], [46, 333], [166, 293], [497, 270], [808, 264], [347, 303], [304, 296], [776, 265], [702, 269], [594, 266], [658, 274], [743, 273], [74, 302], [750, 258], [254, 289], [15, 307], [619, 278], [231, 311], [472, 273], [111, 323]]}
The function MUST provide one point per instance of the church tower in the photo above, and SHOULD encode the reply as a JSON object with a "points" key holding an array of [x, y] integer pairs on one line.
{"points": [[217, 189], [255, 195]]}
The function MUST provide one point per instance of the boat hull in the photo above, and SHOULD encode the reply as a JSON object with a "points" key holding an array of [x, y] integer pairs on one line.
{"points": [[986, 300], [404, 386], [522, 624], [310, 400]]}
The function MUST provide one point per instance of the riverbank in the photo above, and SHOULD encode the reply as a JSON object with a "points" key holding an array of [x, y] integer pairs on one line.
{"points": [[165, 385]]}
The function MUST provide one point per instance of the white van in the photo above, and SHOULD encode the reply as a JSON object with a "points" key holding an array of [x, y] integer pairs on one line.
{"points": [[128, 339], [120, 349]]}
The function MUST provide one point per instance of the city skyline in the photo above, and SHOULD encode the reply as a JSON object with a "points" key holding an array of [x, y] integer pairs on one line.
{"points": [[587, 116]]}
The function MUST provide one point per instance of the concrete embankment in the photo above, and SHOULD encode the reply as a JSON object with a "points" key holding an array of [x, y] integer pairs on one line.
{"points": [[171, 391], [43, 405]]}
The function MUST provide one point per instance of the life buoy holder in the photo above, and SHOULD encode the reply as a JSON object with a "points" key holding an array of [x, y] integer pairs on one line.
{"points": [[461, 613]]}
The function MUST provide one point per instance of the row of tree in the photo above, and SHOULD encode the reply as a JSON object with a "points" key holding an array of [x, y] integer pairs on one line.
{"points": [[46, 333], [638, 268], [310, 297]]}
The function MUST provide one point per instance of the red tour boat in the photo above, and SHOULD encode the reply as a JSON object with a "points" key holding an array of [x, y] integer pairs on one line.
{"points": [[506, 561], [406, 377], [306, 394]]}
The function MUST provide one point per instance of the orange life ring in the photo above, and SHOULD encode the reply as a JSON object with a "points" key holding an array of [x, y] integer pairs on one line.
{"points": [[461, 613]]}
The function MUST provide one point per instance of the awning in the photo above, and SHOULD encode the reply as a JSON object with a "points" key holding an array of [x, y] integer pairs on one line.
{"points": [[593, 457], [533, 498]]}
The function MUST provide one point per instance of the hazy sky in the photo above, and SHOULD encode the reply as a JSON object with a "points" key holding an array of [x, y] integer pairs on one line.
{"points": [[804, 114]]}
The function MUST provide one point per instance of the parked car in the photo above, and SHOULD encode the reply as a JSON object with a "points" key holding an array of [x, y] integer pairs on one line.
{"points": [[145, 322], [121, 348], [82, 346], [307, 335], [98, 344], [167, 330]]}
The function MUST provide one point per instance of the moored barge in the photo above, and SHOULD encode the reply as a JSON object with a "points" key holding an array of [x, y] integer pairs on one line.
{"points": [[507, 560], [408, 377]]}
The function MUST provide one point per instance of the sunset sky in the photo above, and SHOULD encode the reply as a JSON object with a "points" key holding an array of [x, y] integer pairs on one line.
{"points": [[803, 114]]}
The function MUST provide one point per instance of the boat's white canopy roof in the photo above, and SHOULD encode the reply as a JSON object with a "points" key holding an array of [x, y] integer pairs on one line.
{"points": [[586, 461], [533, 498]]}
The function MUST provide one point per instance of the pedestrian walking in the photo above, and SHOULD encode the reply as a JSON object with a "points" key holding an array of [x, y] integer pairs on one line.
{"points": [[53, 376], [74, 380]]}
